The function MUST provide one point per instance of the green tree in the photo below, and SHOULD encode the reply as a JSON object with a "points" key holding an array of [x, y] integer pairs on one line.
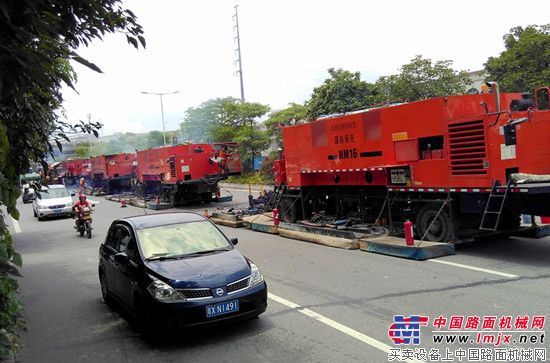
{"points": [[525, 64], [39, 37], [287, 117], [82, 150], [156, 139], [421, 79], [217, 119], [252, 141], [199, 121], [227, 119], [344, 91]]}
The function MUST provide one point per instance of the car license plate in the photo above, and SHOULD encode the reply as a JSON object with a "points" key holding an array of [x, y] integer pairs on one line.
{"points": [[58, 211], [222, 308]]}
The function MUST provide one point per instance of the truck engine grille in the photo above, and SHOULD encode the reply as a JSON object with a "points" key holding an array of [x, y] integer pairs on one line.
{"points": [[467, 148]]}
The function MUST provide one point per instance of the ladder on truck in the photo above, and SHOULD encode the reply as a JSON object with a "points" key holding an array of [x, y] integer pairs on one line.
{"points": [[276, 197], [494, 207]]}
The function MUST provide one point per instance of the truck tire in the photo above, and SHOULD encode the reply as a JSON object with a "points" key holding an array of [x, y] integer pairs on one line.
{"points": [[441, 229], [289, 209]]}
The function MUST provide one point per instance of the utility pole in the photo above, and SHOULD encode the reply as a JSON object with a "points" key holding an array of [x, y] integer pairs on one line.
{"points": [[160, 94], [238, 61]]}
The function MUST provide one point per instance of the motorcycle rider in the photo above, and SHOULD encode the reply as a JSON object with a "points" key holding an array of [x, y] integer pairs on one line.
{"points": [[77, 208]]}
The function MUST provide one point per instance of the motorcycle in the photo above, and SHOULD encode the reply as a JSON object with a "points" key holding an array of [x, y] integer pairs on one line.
{"points": [[85, 222]]}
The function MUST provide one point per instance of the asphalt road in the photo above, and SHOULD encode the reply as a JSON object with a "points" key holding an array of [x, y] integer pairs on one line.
{"points": [[327, 304]]}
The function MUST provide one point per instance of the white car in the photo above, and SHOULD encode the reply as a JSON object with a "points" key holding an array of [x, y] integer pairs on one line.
{"points": [[52, 201]]}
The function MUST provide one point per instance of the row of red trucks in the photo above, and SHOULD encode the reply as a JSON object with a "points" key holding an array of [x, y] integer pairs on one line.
{"points": [[175, 174], [456, 166]]}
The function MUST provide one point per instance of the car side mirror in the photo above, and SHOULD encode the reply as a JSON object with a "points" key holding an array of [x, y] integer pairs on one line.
{"points": [[121, 258], [234, 241]]}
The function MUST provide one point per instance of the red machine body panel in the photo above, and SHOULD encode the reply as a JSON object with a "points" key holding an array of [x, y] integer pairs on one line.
{"points": [[444, 142], [185, 162], [77, 167], [113, 166]]}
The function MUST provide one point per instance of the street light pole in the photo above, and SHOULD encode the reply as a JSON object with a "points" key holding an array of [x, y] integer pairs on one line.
{"points": [[160, 94]]}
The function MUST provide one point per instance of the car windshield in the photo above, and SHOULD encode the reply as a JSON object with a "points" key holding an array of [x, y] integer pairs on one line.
{"points": [[182, 239], [54, 193]]}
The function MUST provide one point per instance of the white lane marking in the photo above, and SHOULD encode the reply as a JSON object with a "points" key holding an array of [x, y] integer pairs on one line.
{"points": [[16, 225], [335, 325], [474, 268], [282, 301]]}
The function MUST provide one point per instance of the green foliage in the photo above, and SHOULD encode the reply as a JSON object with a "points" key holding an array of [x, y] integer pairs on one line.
{"points": [[227, 119], [344, 91], [289, 116], [256, 178], [216, 119], [127, 142], [421, 79], [252, 141], [525, 64], [38, 39]]}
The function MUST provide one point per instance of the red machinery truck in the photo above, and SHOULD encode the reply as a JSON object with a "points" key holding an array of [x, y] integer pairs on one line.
{"points": [[457, 166], [76, 169], [185, 173], [113, 174]]}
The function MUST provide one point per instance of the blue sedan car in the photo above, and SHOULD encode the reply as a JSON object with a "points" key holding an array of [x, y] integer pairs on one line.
{"points": [[178, 269]]}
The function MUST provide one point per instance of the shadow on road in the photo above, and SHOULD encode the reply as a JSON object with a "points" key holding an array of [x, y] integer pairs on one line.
{"points": [[174, 339], [522, 251]]}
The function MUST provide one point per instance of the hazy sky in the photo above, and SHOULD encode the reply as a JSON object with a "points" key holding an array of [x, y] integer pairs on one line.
{"points": [[287, 46]]}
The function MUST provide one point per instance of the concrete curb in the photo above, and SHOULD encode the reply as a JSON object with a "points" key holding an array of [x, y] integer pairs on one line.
{"points": [[224, 222], [265, 228], [319, 239], [226, 217]]}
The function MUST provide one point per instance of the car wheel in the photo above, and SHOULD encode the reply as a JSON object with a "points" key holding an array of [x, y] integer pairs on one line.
{"points": [[105, 289], [40, 219], [144, 319]]}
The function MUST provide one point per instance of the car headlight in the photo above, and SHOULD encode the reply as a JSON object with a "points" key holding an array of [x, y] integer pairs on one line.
{"points": [[163, 292], [256, 276]]}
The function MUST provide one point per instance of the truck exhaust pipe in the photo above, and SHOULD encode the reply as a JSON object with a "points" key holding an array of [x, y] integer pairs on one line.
{"points": [[494, 86]]}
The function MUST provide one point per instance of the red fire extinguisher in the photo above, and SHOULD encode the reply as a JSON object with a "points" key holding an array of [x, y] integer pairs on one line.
{"points": [[276, 217], [409, 236]]}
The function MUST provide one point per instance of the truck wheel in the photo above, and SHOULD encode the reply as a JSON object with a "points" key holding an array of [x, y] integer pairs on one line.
{"points": [[289, 210], [440, 230]]}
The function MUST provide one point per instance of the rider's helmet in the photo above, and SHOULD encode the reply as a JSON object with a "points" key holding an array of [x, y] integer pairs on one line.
{"points": [[82, 198]]}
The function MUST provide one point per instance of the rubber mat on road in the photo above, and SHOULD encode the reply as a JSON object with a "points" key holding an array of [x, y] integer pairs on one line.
{"points": [[394, 246]]}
